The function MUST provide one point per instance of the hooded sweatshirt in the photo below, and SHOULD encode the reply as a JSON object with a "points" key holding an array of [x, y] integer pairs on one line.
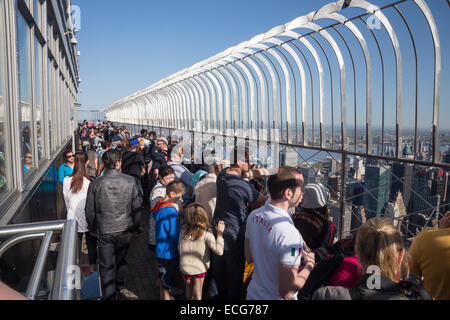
{"points": [[167, 229]]}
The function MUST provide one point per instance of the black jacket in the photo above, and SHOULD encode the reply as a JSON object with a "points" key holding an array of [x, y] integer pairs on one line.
{"points": [[113, 204], [132, 163], [410, 289]]}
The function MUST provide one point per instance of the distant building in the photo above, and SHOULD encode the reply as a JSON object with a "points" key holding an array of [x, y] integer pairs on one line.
{"points": [[377, 186], [407, 152], [335, 213], [358, 218], [334, 186], [289, 157], [309, 174], [402, 181], [392, 212], [354, 193], [330, 166]]}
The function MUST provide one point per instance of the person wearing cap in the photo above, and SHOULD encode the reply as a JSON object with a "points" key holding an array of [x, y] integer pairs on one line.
{"points": [[133, 162], [313, 220]]}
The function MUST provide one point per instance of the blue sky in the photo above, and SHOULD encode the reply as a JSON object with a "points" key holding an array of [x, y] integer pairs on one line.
{"points": [[127, 46]]}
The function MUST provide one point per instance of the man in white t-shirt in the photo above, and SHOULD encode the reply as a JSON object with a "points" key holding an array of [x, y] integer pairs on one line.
{"points": [[273, 243]]}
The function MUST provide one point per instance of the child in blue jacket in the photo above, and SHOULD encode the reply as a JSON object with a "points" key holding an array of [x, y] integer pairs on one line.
{"points": [[167, 229]]}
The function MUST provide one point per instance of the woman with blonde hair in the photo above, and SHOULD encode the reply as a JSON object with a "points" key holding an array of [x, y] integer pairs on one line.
{"points": [[383, 264], [195, 243]]}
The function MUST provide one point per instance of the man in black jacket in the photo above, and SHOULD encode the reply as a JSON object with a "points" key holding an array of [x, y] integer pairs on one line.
{"points": [[112, 211]]}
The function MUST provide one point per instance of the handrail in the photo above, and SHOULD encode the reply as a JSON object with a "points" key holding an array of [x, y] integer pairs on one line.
{"points": [[62, 289]]}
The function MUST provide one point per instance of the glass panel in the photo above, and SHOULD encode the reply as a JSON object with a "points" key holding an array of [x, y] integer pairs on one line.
{"points": [[23, 66], [38, 93], [3, 131]]}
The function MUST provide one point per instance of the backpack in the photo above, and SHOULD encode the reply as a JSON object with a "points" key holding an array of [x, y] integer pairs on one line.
{"points": [[328, 260]]}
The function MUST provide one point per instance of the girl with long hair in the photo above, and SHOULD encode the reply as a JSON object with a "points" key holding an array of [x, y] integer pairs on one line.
{"points": [[75, 188], [383, 263], [195, 243]]}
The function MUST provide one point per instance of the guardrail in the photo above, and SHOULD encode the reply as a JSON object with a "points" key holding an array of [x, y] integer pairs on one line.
{"points": [[62, 289]]}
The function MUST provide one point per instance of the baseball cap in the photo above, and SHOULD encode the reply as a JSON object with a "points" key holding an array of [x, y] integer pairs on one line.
{"points": [[134, 142], [315, 197]]}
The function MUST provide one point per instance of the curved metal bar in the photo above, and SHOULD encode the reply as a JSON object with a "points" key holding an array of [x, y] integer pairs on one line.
{"points": [[205, 99], [213, 100], [159, 108], [289, 112], [383, 89], [226, 105], [286, 79], [299, 64], [19, 239], [66, 260], [173, 122], [168, 107], [182, 101], [243, 86], [262, 56], [154, 115], [146, 107], [354, 78], [219, 89], [263, 85], [398, 59], [253, 96], [150, 108], [304, 106], [189, 96], [437, 75], [331, 88], [232, 80], [141, 107], [7, 232], [362, 42], [196, 101], [178, 106], [36, 276], [186, 101]]}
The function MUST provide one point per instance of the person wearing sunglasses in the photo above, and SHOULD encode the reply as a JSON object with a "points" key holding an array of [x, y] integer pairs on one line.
{"points": [[28, 162], [66, 168]]}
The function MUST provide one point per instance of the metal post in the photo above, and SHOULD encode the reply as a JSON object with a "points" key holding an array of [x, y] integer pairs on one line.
{"points": [[67, 258], [341, 200]]}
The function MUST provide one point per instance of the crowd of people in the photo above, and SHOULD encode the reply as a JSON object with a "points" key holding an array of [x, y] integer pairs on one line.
{"points": [[232, 231]]}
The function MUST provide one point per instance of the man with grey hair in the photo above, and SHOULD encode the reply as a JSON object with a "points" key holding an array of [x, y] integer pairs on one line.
{"points": [[181, 172]]}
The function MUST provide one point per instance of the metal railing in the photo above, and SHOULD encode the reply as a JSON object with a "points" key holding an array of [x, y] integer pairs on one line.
{"points": [[325, 80], [62, 288]]}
